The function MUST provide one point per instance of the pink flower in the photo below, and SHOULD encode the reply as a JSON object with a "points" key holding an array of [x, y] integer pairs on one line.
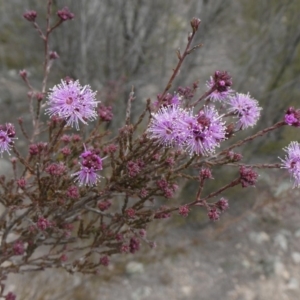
{"points": [[105, 113], [104, 205], [30, 15], [184, 210], [222, 204], [130, 212], [10, 296], [169, 126], [7, 134], [104, 261], [18, 248], [134, 245], [72, 102], [292, 161], [43, 223], [90, 164], [87, 176], [206, 132], [56, 169], [292, 117], [246, 109], [248, 177], [213, 214], [220, 85], [65, 14], [73, 192]]}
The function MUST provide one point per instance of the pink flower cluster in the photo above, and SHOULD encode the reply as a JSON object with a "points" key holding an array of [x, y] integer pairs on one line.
{"points": [[72, 102], [177, 127], [91, 162], [292, 161], [7, 135]]}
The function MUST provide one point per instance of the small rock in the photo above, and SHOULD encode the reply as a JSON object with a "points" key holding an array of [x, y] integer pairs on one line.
{"points": [[141, 293], [5, 167], [281, 241], [246, 263], [238, 246], [296, 257], [280, 270], [134, 267], [186, 290], [293, 284], [197, 264], [259, 237], [297, 233]]}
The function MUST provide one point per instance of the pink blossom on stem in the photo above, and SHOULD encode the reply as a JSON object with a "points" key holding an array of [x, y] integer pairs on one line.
{"points": [[248, 176], [66, 151], [184, 210], [213, 214], [90, 164], [130, 212], [205, 173], [18, 248], [66, 138], [43, 223], [56, 169], [291, 162], [7, 134], [222, 204], [23, 73], [134, 245], [292, 117], [206, 132], [245, 108], [105, 113], [21, 183], [65, 14], [142, 233], [10, 296], [104, 205], [104, 261], [169, 126], [73, 192], [53, 55], [72, 102], [219, 85], [30, 15]]}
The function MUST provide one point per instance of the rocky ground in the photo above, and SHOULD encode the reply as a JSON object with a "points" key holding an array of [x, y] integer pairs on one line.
{"points": [[255, 256]]}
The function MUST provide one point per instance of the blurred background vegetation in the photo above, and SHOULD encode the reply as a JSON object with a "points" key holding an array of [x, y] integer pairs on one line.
{"points": [[114, 44]]}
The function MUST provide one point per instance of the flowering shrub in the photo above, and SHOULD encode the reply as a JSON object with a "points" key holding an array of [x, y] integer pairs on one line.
{"points": [[78, 198]]}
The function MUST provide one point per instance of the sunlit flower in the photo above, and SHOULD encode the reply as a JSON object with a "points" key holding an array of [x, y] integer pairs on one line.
{"points": [[91, 162], [169, 126], [72, 102], [206, 132], [292, 117], [292, 161], [220, 83], [7, 134], [245, 108]]}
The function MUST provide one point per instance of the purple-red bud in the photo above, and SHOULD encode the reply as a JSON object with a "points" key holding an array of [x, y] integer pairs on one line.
{"points": [[53, 55], [195, 22], [23, 73], [30, 15], [65, 14]]}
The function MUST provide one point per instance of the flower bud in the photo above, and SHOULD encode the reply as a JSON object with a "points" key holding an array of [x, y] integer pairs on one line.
{"points": [[53, 55], [65, 14], [23, 73], [30, 15], [195, 22]]}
